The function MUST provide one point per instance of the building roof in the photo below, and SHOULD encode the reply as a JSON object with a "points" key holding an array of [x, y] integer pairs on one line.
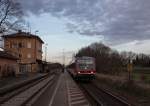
{"points": [[7, 55], [22, 34]]}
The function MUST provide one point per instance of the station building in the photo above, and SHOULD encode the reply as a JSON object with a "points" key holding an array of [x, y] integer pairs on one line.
{"points": [[27, 47], [8, 64]]}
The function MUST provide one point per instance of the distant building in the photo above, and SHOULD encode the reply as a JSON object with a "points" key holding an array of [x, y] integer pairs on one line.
{"points": [[8, 64], [27, 47]]}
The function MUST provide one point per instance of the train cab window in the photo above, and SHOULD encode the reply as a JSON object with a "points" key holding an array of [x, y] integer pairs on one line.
{"points": [[86, 66]]}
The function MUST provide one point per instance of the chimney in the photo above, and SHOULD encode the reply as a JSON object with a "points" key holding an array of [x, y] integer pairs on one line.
{"points": [[19, 31]]}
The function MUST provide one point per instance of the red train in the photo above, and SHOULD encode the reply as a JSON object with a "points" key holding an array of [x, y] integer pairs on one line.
{"points": [[83, 68]]}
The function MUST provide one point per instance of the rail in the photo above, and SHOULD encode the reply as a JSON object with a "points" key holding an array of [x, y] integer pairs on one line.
{"points": [[102, 97], [26, 92]]}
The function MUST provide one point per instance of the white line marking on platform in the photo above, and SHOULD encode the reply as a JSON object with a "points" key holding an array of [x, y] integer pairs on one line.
{"points": [[79, 101], [68, 93], [81, 97], [80, 94], [75, 93], [55, 91]]}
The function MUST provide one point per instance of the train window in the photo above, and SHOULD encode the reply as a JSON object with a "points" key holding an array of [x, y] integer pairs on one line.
{"points": [[86, 66]]}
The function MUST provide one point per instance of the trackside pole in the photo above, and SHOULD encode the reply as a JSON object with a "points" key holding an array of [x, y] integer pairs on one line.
{"points": [[130, 70]]}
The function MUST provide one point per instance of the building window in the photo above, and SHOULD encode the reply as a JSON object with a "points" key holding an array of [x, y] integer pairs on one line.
{"points": [[8, 45], [14, 45], [20, 45], [29, 55], [29, 45], [20, 55]]}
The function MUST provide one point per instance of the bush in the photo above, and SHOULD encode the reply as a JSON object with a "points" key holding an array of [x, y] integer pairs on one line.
{"points": [[143, 77]]}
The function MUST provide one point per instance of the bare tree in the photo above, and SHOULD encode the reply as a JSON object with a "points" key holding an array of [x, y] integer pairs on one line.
{"points": [[10, 15], [127, 56]]}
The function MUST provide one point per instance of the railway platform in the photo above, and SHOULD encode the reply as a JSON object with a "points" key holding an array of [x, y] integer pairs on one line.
{"points": [[68, 93], [64, 92]]}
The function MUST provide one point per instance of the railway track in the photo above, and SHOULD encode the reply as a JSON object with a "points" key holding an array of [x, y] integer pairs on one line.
{"points": [[23, 95], [102, 97]]}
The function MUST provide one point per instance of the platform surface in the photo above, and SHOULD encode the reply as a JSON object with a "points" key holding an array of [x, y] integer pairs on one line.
{"points": [[68, 93]]}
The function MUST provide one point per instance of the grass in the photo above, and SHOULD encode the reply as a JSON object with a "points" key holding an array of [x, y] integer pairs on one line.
{"points": [[145, 77], [133, 90], [129, 88], [140, 74]]}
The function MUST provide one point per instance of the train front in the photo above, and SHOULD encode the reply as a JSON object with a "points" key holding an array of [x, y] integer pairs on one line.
{"points": [[85, 68]]}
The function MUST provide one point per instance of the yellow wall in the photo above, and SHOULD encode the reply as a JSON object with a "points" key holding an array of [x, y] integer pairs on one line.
{"points": [[8, 66], [35, 51]]}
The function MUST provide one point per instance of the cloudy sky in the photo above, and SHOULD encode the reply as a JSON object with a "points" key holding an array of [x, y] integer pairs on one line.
{"points": [[72, 24]]}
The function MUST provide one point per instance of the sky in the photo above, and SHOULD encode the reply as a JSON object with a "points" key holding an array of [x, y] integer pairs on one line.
{"points": [[59, 42], [68, 25]]}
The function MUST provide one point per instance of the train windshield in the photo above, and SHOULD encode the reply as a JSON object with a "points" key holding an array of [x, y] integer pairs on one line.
{"points": [[86, 67]]}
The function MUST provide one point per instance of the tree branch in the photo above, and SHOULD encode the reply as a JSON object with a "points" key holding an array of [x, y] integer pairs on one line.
{"points": [[6, 12]]}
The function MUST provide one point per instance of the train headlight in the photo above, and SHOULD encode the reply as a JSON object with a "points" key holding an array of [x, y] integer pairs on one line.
{"points": [[92, 72], [79, 72]]}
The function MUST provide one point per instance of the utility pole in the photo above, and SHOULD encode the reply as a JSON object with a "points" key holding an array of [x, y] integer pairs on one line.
{"points": [[63, 57], [63, 60]]}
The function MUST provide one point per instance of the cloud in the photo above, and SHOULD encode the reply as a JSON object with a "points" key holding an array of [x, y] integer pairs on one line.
{"points": [[118, 21], [135, 46]]}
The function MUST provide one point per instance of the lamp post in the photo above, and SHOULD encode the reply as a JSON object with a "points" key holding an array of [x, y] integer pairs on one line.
{"points": [[46, 51]]}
